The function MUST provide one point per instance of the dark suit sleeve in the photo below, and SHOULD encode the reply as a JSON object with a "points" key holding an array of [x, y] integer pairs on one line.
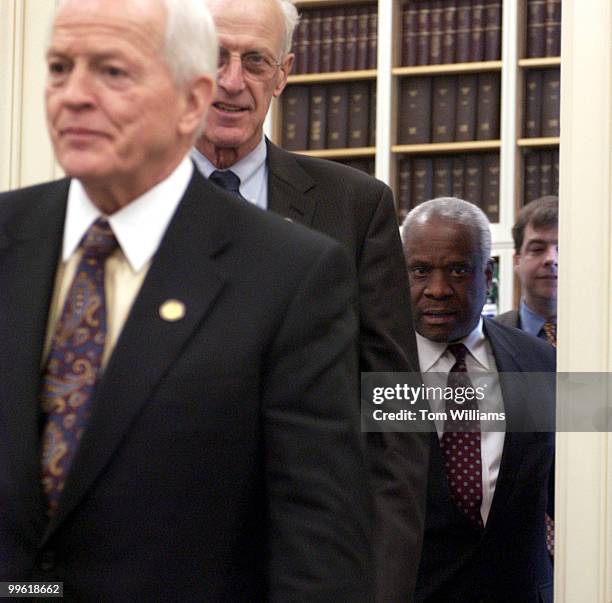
{"points": [[398, 461], [319, 515]]}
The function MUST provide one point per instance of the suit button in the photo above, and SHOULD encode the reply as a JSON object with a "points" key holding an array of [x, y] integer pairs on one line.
{"points": [[47, 561], [288, 219]]}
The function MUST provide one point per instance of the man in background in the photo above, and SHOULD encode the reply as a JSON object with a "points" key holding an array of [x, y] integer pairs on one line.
{"points": [[177, 400], [536, 241], [350, 206], [488, 490]]}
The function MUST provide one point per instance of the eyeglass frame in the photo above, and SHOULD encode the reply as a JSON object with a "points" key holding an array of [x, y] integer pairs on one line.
{"points": [[247, 74]]}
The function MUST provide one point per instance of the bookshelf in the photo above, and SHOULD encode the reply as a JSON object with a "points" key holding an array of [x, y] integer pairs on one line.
{"points": [[506, 61]]}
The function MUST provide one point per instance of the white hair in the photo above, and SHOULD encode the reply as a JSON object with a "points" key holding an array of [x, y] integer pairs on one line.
{"points": [[455, 210], [291, 19]]}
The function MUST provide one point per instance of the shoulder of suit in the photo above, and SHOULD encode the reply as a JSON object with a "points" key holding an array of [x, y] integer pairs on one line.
{"points": [[21, 200], [510, 318]]}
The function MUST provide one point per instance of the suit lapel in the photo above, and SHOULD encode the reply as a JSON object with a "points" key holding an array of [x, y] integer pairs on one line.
{"points": [[148, 344], [29, 254], [289, 186]]}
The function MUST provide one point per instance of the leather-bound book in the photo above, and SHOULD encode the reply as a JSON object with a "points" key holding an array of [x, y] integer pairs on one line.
{"points": [[318, 117], [415, 110], [442, 176], [487, 118], [552, 28], [531, 176], [555, 177], [465, 120], [472, 184], [536, 39], [464, 31], [443, 94], [372, 37], [532, 126], [424, 34], [295, 48], [435, 29], [404, 188], [546, 173], [477, 36], [422, 180], [362, 37], [327, 40], [338, 39], [295, 118], [358, 113], [372, 120], [490, 186], [493, 32], [337, 116], [551, 97], [315, 42], [458, 176], [350, 39], [449, 31], [410, 30]]}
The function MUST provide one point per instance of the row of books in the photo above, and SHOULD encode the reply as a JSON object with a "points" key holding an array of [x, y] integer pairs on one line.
{"points": [[451, 31], [336, 39], [329, 116], [541, 175], [543, 28], [473, 177], [542, 102], [449, 108]]}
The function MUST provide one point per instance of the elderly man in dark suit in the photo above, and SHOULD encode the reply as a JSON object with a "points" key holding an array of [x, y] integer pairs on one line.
{"points": [[353, 208], [485, 531], [178, 415]]}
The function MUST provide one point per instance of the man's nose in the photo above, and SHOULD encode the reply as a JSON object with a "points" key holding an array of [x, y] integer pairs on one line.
{"points": [[552, 255], [437, 285], [231, 75], [78, 88]]}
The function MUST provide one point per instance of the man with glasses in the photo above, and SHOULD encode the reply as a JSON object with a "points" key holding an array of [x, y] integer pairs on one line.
{"points": [[350, 206]]}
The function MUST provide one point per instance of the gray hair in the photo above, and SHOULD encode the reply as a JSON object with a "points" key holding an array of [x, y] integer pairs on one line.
{"points": [[455, 210], [291, 18]]}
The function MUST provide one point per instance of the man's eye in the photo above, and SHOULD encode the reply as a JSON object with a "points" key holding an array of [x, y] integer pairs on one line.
{"points": [[254, 58], [113, 71], [536, 249], [418, 271], [459, 271], [57, 68]]}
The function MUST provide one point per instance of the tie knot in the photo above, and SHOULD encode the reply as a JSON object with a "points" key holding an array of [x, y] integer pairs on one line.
{"points": [[549, 329], [459, 351], [226, 179], [99, 241]]}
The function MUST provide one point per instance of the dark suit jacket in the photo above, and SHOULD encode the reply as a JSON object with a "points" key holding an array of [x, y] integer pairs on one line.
{"points": [[512, 318], [358, 211], [222, 460], [508, 561]]}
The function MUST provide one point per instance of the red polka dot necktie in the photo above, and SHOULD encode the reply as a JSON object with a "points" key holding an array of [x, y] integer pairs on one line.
{"points": [[460, 443], [74, 361]]}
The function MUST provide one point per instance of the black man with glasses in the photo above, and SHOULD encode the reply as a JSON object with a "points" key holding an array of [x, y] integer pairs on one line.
{"points": [[348, 205]]}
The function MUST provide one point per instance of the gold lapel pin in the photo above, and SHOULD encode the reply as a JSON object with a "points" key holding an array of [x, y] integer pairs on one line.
{"points": [[172, 310]]}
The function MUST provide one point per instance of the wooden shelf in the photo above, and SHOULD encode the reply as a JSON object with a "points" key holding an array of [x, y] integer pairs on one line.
{"points": [[341, 153], [448, 68], [551, 141], [540, 62], [446, 147], [334, 76]]}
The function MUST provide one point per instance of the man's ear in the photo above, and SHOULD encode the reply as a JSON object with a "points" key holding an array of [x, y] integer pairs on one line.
{"points": [[516, 260], [198, 98], [285, 70]]}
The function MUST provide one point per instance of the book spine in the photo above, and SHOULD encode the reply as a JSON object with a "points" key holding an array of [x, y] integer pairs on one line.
{"points": [[295, 118], [362, 38], [551, 88], [295, 48], [492, 42], [464, 29], [555, 185], [410, 26], [318, 117], [415, 110], [531, 179], [338, 39], [422, 180], [435, 31], [423, 35], [458, 177], [546, 173], [358, 113], [490, 186], [372, 38], [487, 120], [337, 118], [473, 179], [449, 31], [443, 108], [533, 104], [350, 43], [442, 185], [303, 48], [404, 188], [536, 15], [465, 120], [477, 35], [327, 39], [372, 119], [553, 28], [314, 61]]}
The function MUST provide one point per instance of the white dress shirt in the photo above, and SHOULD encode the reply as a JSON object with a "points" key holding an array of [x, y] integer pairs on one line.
{"points": [[138, 228], [434, 358], [252, 171]]}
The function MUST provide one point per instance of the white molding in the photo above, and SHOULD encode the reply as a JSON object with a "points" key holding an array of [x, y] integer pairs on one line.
{"points": [[384, 80]]}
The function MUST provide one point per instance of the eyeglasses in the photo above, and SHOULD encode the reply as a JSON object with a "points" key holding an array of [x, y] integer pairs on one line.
{"points": [[255, 65]]}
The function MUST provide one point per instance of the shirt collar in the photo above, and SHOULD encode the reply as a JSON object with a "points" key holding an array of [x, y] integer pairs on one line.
{"points": [[139, 226], [245, 169], [431, 351], [531, 322]]}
